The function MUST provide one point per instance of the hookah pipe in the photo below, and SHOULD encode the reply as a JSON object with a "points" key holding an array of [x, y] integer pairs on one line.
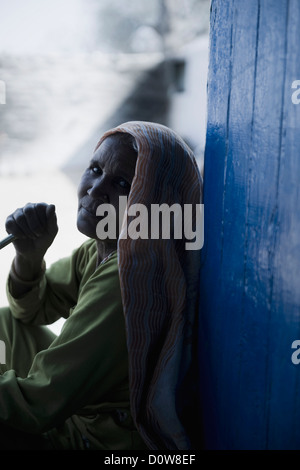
{"points": [[6, 241]]}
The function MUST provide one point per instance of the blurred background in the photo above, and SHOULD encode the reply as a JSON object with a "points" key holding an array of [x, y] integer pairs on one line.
{"points": [[70, 70]]}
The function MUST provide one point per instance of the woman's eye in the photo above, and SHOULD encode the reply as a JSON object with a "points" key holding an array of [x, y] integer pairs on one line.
{"points": [[96, 169], [123, 183]]}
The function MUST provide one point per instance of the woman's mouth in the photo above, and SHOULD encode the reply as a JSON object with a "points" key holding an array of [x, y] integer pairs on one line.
{"points": [[91, 210]]}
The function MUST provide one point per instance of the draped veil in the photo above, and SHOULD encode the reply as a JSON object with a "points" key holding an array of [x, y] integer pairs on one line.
{"points": [[159, 287]]}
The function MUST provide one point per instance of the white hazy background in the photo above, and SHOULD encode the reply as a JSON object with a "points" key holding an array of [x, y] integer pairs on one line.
{"points": [[67, 66]]}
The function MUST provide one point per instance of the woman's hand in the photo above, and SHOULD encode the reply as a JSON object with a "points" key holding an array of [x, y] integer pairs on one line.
{"points": [[35, 227]]}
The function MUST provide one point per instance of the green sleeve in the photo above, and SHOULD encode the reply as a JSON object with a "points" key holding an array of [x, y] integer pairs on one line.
{"points": [[85, 365], [57, 291]]}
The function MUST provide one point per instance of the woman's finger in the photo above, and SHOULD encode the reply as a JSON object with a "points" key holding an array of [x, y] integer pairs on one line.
{"points": [[33, 220], [17, 224], [51, 220]]}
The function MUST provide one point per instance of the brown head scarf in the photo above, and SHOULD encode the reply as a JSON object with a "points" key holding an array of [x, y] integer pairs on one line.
{"points": [[159, 286]]}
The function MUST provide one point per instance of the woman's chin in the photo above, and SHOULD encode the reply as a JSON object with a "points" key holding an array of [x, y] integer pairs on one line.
{"points": [[85, 228]]}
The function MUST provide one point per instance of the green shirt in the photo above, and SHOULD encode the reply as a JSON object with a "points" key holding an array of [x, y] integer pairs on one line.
{"points": [[79, 385]]}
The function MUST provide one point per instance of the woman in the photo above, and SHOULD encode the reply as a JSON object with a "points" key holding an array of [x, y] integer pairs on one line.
{"points": [[119, 374]]}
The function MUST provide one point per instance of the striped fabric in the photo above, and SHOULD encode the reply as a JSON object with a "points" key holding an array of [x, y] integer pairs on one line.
{"points": [[159, 286]]}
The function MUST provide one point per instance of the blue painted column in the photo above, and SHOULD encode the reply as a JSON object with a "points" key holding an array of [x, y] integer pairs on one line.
{"points": [[250, 277]]}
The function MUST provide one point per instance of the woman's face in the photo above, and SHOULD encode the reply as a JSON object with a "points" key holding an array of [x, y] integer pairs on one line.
{"points": [[108, 177]]}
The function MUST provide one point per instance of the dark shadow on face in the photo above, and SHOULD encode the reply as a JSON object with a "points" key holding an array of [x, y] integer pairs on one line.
{"points": [[108, 177]]}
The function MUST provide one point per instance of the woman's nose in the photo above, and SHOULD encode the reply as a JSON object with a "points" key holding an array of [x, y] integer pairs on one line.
{"points": [[98, 189]]}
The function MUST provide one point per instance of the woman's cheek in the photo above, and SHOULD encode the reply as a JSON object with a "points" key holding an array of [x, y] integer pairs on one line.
{"points": [[83, 185]]}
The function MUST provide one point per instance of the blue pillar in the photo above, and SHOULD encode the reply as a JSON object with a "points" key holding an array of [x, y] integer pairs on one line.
{"points": [[250, 277]]}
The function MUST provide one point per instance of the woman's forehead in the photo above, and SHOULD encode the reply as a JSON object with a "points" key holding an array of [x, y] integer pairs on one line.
{"points": [[113, 151]]}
